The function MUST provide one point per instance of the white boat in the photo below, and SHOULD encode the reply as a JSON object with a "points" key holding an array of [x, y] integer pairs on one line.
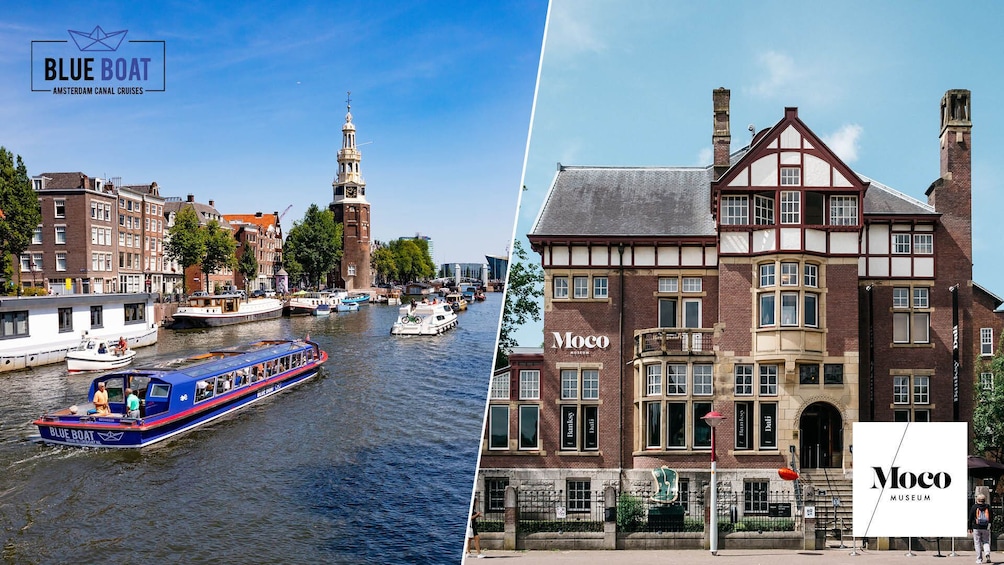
{"points": [[97, 355], [322, 310], [347, 306], [40, 332], [424, 319], [224, 309]]}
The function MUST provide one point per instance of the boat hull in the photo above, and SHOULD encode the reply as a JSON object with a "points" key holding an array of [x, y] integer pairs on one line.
{"points": [[79, 362], [116, 432], [184, 320]]}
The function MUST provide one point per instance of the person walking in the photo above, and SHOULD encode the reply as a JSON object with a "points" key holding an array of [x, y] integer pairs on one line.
{"points": [[981, 516], [473, 540]]}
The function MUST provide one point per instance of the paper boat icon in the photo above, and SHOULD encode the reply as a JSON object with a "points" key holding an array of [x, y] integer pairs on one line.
{"points": [[98, 39]]}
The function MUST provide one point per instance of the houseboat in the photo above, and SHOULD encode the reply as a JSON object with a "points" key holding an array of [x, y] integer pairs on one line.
{"points": [[224, 309], [424, 319], [40, 330], [182, 395]]}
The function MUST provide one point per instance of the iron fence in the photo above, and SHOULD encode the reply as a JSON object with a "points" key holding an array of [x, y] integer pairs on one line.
{"points": [[556, 511], [638, 512]]}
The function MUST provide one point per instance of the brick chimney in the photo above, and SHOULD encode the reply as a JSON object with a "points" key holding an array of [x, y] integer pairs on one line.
{"points": [[952, 194], [212, 204], [721, 140], [191, 198]]}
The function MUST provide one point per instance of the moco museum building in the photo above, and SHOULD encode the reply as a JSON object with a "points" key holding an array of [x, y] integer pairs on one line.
{"points": [[777, 287]]}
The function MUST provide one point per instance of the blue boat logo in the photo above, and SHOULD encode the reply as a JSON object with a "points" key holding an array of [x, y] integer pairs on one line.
{"points": [[98, 39], [111, 436]]}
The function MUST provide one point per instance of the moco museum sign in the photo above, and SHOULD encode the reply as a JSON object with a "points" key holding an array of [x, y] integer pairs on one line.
{"points": [[579, 344], [910, 479]]}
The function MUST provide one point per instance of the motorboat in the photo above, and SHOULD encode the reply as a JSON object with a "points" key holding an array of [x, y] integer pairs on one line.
{"points": [[97, 355], [182, 395], [346, 306], [432, 318], [322, 309], [456, 301]]}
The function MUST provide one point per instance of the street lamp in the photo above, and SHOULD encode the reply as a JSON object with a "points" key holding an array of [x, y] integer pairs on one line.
{"points": [[714, 418]]}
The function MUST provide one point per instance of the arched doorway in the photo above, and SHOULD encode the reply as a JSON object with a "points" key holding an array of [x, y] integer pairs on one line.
{"points": [[821, 437]]}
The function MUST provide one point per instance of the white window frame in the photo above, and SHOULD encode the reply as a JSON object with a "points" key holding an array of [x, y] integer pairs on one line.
{"points": [[529, 384], [492, 408], [744, 379], [767, 275], [986, 381], [500, 387], [791, 206], [789, 273], [676, 379], [535, 408], [901, 243], [569, 384], [900, 389], [560, 285], [653, 380], [669, 284], [843, 210], [600, 287], [763, 210], [703, 379], [580, 287], [923, 244], [791, 176], [811, 275], [60, 260], [693, 284], [768, 380], [36, 235], [735, 210], [921, 389], [590, 384], [986, 341]]}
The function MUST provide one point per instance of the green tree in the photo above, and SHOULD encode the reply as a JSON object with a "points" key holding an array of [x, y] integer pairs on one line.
{"points": [[412, 260], [315, 243], [383, 264], [20, 212], [988, 414], [247, 265], [221, 249], [186, 242], [293, 269], [523, 290]]}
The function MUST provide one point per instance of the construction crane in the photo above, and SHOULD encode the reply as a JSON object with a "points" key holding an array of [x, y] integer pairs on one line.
{"points": [[279, 219]]}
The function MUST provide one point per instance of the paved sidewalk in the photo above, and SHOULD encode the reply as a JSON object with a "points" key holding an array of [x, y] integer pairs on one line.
{"points": [[726, 557]]}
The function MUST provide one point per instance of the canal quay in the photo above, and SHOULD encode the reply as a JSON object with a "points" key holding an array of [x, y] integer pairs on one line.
{"points": [[372, 462]]}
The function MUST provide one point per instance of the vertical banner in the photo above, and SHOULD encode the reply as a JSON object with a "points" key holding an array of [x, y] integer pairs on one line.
{"points": [[568, 426], [910, 479], [956, 365], [744, 418], [768, 425], [590, 436]]}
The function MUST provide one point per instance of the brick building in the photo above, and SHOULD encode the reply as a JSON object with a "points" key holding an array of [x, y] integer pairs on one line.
{"points": [[260, 234], [141, 238], [195, 279], [776, 286], [73, 250]]}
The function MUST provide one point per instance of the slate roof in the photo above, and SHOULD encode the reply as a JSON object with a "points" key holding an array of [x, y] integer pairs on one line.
{"points": [[627, 201], [662, 201], [205, 212], [67, 180]]}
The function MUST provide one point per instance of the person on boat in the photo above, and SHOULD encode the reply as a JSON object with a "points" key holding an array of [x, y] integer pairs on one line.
{"points": [[102, 349], [101, 401], [121, 347], [132, 404]]}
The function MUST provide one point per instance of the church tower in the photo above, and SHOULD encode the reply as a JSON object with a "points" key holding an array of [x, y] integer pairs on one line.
{"points": [[352, 211]]}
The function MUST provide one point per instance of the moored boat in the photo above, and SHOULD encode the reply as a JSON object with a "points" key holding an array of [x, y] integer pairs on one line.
{"points": [[224, 309], [322, 310], [424, 319], [97, 355], [346, 306], [179, 397], [357, 297]]}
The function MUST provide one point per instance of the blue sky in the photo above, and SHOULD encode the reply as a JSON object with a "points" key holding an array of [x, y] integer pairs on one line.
{"points": [[631, 85], [255, 99]]}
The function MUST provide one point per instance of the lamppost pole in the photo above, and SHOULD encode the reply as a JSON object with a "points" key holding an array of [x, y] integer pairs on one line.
{"points": [[714, 418]]}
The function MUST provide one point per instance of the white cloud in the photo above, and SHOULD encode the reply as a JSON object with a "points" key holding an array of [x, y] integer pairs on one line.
{"points": [[705, 157], [573, 30], [781, 74], [844, 142]]}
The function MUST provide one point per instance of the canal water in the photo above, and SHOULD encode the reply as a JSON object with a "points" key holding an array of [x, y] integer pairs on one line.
{"points": [[372, 462]]}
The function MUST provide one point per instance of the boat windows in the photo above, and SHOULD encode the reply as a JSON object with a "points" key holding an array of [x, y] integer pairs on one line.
{"points": [[115, 387], [224, 383], [204, 389], [158, 390]]}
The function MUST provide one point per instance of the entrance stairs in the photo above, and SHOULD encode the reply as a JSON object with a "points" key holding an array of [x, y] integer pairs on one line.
{"points": [[832, 493]]}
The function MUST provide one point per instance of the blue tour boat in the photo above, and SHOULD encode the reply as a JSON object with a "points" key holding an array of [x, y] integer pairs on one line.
{"points": [[184, 394]]}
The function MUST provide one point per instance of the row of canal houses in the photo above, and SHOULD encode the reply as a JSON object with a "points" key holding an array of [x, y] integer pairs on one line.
{"points": [[97, 264]]}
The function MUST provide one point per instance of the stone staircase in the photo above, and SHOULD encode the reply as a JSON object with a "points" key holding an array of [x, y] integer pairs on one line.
{"points": [[821, 487]]}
